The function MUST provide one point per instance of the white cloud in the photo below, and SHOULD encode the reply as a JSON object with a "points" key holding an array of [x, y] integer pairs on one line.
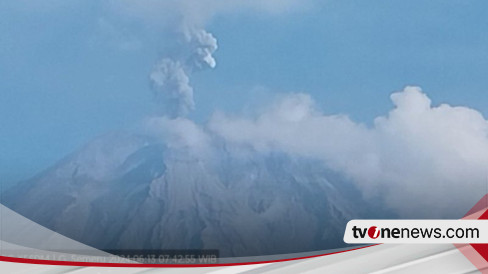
{"points": [[423, 160], [178, 133]]}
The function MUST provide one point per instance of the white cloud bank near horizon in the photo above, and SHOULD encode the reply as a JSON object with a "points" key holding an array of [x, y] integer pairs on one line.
{"points": [[422, 160]]}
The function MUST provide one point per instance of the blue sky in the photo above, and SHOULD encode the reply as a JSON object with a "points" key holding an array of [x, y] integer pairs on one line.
{"points": [[70, 73]]}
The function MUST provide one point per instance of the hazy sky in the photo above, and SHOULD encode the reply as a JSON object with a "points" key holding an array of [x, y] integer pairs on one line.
{"points": [[72, 71]]}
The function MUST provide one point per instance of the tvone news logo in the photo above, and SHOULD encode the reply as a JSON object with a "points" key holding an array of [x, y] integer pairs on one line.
{"points": [[373, 232], [416, 231]]}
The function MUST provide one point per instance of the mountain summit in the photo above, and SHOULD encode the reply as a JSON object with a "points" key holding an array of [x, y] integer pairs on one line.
{"points": [[127, 191]]}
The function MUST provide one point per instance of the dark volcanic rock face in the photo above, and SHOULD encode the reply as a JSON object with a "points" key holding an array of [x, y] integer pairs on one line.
{"points": [[124, 191]]}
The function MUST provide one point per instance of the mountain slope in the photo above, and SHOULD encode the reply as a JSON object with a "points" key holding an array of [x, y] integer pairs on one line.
{"points": [[124, 191]]}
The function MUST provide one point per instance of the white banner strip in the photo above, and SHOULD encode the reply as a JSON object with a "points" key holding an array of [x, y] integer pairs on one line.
{"points": [[416, 231]]}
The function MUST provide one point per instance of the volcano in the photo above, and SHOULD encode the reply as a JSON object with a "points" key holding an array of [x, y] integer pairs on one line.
{"points": [[130, 191]]}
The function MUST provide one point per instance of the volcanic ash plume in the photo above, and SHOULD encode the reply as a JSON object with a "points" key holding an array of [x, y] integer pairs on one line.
{"points": [[170, 78]]}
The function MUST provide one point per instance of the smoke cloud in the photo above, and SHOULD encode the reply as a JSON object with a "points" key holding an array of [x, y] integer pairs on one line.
{"points": [[170, 78]]}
